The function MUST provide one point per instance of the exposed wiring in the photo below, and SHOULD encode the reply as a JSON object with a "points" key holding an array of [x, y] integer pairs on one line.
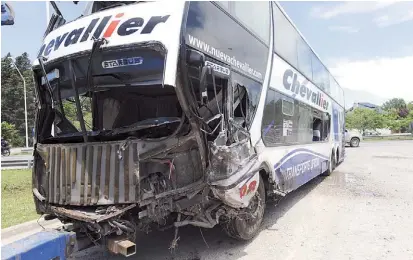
{"points": [[181, 123], [200, 230], [39, 222], [174, 242], [213, 131]]}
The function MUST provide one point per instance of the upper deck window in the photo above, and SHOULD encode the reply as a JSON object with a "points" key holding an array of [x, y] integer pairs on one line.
{"points": [[255, 16], [304, 58], [285, 38], [291, 46]]}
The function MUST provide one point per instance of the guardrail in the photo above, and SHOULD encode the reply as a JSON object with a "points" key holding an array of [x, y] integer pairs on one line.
{"points": [[45, 245], [16, 163]]}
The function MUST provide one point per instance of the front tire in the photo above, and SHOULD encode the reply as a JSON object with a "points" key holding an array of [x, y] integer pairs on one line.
{"points": [[246, 228], [354, 142]]}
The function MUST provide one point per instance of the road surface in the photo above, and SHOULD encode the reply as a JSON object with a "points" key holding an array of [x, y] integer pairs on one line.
{"points": [[364, 210]]}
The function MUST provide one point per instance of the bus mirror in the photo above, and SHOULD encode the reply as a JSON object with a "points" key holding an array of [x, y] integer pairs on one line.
{"points": [[7, 14], [195, 58]]}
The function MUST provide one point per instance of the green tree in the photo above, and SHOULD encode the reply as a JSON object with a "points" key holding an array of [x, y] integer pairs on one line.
{"points": [[363, 119], [394, 103], [398, 105], [12, 93], [410, 106], [10, 133], [397, 123]]}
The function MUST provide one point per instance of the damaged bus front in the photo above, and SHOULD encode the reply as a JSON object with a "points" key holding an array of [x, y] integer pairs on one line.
{"points": [[136, 129]]}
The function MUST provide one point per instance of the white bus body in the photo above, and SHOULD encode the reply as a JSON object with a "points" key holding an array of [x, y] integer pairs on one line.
{"points": [[187, 113]]}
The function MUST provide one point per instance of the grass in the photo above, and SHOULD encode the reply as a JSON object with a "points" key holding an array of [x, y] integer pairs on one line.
{"points": [[17, 205]]}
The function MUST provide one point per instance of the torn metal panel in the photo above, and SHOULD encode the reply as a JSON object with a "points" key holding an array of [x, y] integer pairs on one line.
{"points": [[91, 215], [108, 172], [229, 160], [90, 174], [233, 172], [238, 190]]}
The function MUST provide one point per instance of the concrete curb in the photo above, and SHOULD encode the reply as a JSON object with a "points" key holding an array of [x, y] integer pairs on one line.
{"points": [[14, 233]]}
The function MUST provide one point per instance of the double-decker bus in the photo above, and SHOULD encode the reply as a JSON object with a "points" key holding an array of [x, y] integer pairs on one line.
{"points": [[178, 113]]}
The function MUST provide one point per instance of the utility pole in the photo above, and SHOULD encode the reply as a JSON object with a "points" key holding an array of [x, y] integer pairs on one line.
{"points": [[25, 101]]}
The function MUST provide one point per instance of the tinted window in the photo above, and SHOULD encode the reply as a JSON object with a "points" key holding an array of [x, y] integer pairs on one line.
{"points": [[305, 123], [285, 38], [279, 127], [268, 120], [255, 16], [287, 107], [326, 127], [325, 79], [318, 70], [218, 35], [304, 58], [287, 121], [289, 45]]}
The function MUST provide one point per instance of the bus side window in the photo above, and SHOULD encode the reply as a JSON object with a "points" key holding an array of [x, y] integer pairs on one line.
{"points": [[241, 105], [326, 127], [269, 128], [316, 129], [321, 126]]}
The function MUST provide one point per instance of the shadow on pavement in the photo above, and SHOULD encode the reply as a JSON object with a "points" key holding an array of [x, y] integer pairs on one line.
{"points": [[192, 246]]}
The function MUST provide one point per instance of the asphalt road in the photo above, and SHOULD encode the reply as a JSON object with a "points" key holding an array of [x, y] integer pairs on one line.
{"points": [[364, 210]]}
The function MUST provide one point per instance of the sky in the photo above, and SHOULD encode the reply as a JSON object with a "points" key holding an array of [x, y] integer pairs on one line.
{"points": [[368, 46]]}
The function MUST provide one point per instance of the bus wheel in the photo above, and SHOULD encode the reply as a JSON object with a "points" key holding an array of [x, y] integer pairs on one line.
{"points": [[331, 165], [247, 224]]}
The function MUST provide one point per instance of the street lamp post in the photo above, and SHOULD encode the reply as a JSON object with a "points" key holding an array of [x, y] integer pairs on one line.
{"points": [[25, 101]]}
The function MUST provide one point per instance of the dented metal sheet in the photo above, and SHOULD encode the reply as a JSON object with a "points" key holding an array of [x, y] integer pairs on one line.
{"points": [[90, 174], [90, 216]]}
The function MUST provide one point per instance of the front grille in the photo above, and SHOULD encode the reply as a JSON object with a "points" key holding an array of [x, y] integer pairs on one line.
{"points": [[90, 174]]}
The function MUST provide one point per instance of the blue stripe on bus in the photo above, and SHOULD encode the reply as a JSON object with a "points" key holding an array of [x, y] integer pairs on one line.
{"points": [[291, 175], [299, 150]]}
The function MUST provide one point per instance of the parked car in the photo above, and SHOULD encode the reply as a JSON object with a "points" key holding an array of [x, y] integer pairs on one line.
{"points": [[353, 138], [371, 132]]}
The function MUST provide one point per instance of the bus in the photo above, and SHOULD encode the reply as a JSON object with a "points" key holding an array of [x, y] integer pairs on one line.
{"points": [[178, 113]]}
